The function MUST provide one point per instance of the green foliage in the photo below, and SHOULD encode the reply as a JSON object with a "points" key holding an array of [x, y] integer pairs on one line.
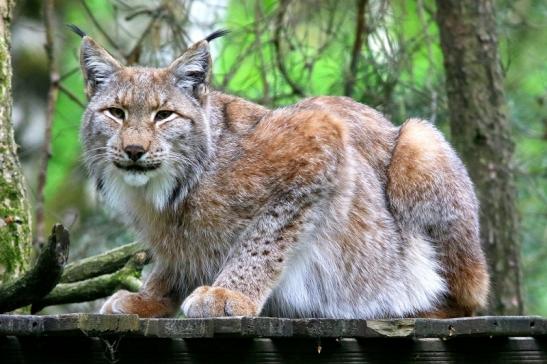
{"points": [[65, 134], [523, 25]]}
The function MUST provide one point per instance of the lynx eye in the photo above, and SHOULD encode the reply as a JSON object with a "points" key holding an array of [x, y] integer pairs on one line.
{"points": [[164, 115], [116, 113]]}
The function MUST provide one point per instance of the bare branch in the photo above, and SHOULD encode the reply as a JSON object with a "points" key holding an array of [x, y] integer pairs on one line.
{"points": [[230, 73], [98, 287], [69, 73], [361, 31], [297, 89], [133, 56], [259, 46], [98, 25], [100, 264], [53, 93], [71, 95], [428, 76]]}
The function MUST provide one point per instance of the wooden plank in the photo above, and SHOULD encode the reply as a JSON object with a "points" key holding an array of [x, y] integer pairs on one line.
{"points": [[135, 350], [402, 328], [482, 326], [256, 327], [171, 328], [70, 324]]}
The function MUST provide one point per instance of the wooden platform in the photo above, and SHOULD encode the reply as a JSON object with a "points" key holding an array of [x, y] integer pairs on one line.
{"points": [[85, 338]]}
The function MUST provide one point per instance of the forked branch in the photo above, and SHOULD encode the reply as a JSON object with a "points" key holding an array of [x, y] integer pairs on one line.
{"points": [[41, 278], [97, 287]]}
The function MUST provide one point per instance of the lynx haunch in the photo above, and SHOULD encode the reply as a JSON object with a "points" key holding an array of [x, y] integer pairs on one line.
{"points": [[320, 209]]}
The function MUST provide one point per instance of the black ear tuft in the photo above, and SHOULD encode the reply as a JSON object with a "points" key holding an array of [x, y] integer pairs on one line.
{"points": [[76, 30], [97, 65], [217, 34], [192, 70]]}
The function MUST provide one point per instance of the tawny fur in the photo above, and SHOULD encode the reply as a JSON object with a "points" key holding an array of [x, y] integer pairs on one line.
{"points": [[320, 209]]}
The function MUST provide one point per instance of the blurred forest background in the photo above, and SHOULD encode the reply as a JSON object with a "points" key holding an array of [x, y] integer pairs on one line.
{"points": [[386, 54]]}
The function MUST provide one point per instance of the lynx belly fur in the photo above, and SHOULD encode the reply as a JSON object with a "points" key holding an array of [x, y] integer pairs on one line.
{"points": [[320, 209]]}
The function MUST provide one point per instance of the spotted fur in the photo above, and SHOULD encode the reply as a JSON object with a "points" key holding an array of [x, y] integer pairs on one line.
{"points": [[320, 209]]}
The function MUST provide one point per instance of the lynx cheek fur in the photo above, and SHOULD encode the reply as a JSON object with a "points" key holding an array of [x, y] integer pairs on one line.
{"points": [[320, 209]]}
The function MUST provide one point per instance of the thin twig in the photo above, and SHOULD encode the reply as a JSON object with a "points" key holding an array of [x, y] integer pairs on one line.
{"points": [[236, 66], [360, 34], [260, 48], [69, 73], [428, 77], [98, 26], [53, 93], [133, 56], [71, 95], [297, 89]]}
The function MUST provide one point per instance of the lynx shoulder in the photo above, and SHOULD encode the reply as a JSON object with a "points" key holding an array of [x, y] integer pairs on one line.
{"points": [[320, 209]]}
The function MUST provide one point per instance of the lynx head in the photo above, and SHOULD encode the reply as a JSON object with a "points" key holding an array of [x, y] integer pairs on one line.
{"points": [[146, 131]]}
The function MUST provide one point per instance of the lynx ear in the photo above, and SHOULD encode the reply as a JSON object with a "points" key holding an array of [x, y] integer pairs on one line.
{"points": [[97, 65], [192, 70]]}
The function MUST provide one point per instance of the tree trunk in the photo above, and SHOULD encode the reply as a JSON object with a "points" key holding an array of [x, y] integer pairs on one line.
{"points": [[15, 238], [482, 135]]}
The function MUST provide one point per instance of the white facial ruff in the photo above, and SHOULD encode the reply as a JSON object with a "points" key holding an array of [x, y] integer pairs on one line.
{"points": [[122, 188], [136, 179]]}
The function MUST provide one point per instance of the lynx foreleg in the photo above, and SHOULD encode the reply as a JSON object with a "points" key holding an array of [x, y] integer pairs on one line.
{"points": [[294, 164], [253, 269]]}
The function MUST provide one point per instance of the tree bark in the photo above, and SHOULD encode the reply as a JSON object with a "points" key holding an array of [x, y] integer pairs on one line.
{"points": [[15, 236], [482, 135]]}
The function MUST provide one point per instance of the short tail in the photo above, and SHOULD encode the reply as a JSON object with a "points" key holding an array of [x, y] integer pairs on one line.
{"points": [[431, 195]]}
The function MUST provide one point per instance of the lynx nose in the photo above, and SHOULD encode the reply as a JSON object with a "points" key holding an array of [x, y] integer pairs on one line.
{"points": [[134, 152]]}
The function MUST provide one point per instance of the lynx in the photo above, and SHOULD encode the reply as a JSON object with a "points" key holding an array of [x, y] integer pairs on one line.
{"points": [[319, 209]]}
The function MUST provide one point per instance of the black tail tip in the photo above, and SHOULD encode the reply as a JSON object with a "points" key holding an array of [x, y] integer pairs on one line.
{"points": [[76, 30], [217, 34]]}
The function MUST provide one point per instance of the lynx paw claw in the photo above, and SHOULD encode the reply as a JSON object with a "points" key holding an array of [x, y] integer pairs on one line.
{"points": [[124, 302], [208, 301], [114, 305]]}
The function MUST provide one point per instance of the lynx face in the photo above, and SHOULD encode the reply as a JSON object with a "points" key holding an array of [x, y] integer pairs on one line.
{"points": [[146, 130]]}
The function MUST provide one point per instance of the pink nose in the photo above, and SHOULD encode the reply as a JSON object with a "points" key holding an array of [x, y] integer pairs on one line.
{"points": [[134, 152]]}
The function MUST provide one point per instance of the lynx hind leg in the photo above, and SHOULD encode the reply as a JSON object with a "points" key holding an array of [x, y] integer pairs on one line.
{"points": [[431, 195]]}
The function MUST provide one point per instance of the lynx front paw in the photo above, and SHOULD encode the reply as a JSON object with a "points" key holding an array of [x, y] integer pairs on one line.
{"points": [[114, 305], [208, 301], [124, 302]]}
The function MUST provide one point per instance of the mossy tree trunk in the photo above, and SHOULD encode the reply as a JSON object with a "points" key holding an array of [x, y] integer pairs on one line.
{"points": [[482, 135], [15, 234]]}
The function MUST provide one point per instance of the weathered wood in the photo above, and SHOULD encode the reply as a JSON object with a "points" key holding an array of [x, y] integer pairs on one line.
{"points": [[482, 326], [42, 277], [60, 350], [91, 338], [97, 265], [257, 327]]}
